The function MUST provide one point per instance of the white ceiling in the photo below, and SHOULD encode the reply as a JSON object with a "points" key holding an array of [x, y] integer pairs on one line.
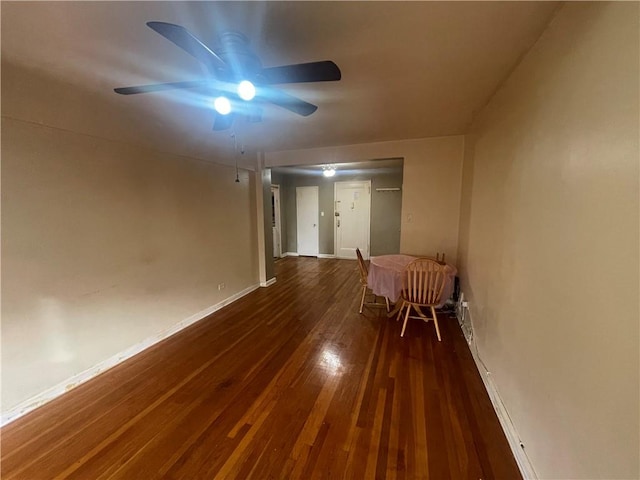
{"points": [[409, 69]]}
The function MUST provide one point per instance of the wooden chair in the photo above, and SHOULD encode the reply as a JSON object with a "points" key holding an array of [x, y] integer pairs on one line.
{"points": [[424, 282], [364, 274]]}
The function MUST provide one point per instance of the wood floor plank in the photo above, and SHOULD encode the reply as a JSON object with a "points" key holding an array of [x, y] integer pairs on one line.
{"points": [[287, 382]]}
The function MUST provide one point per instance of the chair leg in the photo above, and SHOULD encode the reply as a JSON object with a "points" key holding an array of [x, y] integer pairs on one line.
{"points": [[388, 308], [435, 321], [364, 292], [400, 309], [406, 318]]}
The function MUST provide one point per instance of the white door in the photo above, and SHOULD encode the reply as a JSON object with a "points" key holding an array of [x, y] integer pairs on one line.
{"points": [[307, 218], [352, 218]]}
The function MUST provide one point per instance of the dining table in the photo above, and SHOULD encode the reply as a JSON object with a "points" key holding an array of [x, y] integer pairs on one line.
{"points": [[385, 277]]}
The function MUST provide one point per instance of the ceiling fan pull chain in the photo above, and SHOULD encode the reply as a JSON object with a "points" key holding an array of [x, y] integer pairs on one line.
{"points": [[235, 154]]}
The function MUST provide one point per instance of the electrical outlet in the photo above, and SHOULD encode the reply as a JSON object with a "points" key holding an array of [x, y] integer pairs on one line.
{"points": [[464, 317], [460, 308], [221, 286]]}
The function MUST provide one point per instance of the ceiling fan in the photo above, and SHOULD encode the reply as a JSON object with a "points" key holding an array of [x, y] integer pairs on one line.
{"points": [[238, 76]]}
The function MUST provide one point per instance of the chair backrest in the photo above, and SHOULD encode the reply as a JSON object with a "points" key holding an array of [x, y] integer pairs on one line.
{"points": [[364, 273], [424, 281], [440, 260]]}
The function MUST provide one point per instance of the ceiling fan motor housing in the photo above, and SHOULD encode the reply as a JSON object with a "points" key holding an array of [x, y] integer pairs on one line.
{"points": [[242, 62]]}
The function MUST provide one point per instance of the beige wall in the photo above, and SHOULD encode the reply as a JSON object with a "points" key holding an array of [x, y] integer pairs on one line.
{"points": [[549, 243], [105, 245], [430, 192]]}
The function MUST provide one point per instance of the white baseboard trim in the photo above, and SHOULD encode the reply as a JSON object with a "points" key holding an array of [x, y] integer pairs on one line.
{"points": [[320, 255], [63, 387], [526, 469], [509, 429], [268, 283]]}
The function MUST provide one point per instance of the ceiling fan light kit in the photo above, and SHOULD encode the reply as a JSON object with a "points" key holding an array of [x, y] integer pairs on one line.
{"points": [[238, 76], [246, 90], [222, 105]]}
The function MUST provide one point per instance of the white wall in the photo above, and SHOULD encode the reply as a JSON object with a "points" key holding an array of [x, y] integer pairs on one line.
{"points": [[105, 245], [549, 243], [430, 192]]}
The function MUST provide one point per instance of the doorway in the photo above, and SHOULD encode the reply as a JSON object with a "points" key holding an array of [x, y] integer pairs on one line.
{"points": [[276, 224], [352, 218], [307, 220]]}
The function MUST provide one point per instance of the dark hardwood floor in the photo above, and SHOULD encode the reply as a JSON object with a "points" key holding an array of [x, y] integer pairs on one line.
{"points": [[287, 382]]}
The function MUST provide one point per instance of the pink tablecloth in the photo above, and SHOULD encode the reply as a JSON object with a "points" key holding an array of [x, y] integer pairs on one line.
{"points": [[385, 276]]}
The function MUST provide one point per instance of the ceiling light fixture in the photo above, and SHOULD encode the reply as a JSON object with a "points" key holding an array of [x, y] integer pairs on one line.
{"points": [[328, 170], [222, 105], [246, 90]]}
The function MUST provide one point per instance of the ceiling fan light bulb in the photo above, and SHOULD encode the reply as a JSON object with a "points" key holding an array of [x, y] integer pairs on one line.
{"points": [[246, 90], [329, 172], [222, 105]]}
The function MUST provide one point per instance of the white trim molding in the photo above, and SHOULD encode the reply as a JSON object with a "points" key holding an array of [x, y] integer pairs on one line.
{"points": [[78, 379], [517, 448], [268, 283], [320, 255], [509, 429]]}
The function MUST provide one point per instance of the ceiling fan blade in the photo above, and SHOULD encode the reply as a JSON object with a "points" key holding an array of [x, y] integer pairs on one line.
{"points": [[325, 71], [160, 86], [223, 122], [189, 43], [284, 100]]}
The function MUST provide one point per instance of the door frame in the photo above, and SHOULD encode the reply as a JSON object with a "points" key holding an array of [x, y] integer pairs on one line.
{"points": [[366, 253], [316, 223], [275, 191]]}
